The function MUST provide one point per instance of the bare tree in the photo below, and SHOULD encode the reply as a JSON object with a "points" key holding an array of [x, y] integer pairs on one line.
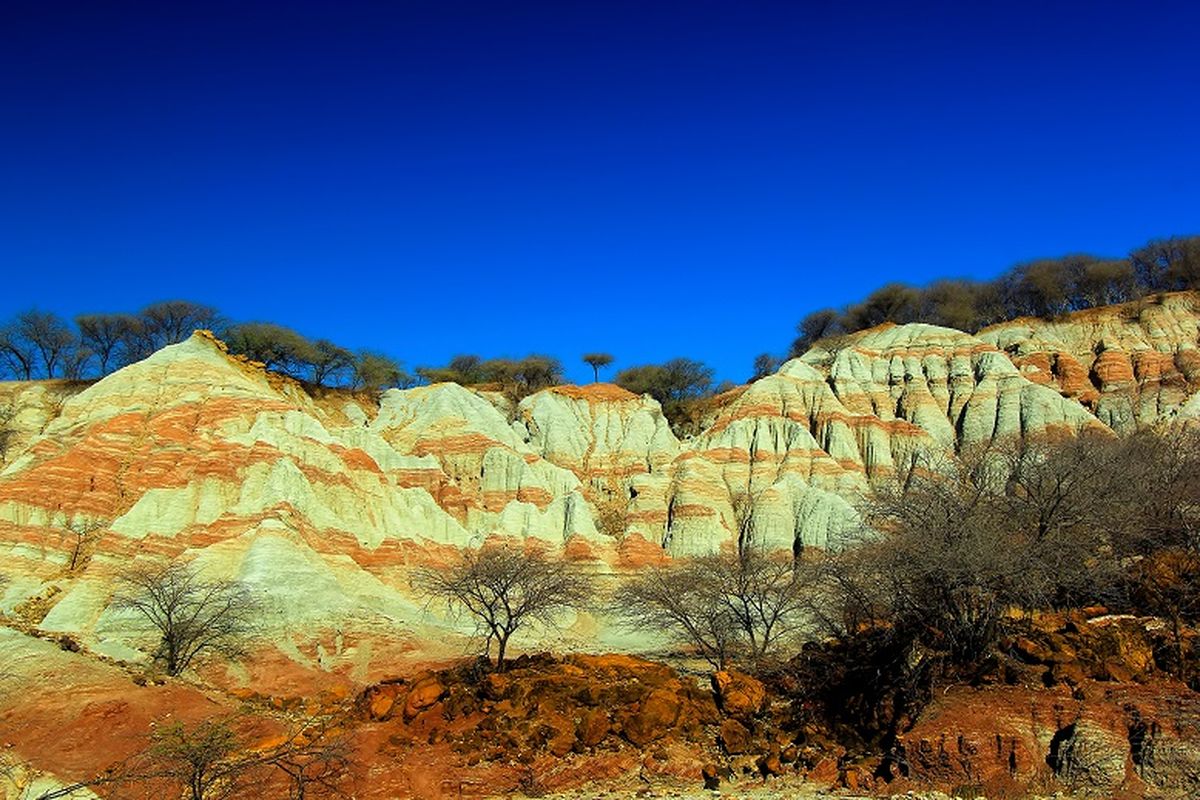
{"points": [[1160, 559], [203, 761], [19, 353], [212, 760], [105, 335], [316, 759], [732, 606], [51, 338], [504, 589], [766, 596], [678, 600], [597, 361], [81, 533], [191, 616]]}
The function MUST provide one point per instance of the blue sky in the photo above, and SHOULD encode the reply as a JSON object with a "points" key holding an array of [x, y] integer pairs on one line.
{"points": [[649, 178]]}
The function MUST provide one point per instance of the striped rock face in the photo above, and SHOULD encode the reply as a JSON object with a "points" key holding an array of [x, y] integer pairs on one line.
{"points": [[325, 502], [1132, 365]]}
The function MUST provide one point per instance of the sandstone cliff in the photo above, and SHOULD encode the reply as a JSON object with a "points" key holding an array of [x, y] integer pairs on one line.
{"points": [[1133, 364], [326, 501]]}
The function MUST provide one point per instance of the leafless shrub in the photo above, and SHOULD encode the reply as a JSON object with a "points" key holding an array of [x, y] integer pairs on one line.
{"points": [[736, 606], [1160, 558], [202, 761], [214, 759], [192, 616], [317, 763], [503, 589], [81, 534]]}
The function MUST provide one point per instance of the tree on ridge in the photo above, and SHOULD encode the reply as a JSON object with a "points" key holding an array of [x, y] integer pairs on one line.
{"points": [[597, 361]]}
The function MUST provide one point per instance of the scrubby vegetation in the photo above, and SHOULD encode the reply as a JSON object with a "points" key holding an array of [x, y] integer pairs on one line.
{"points": [[40, 344], [679, 385], [1043, 288], [515, 378], [961, 554]]}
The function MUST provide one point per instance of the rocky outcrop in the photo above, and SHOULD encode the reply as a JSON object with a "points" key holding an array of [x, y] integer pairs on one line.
{"points": [[315, 503], [1132, 365], [617, 443], [786, 459], [958, 389], [480, 467], [327, 500], [1084, 706]]}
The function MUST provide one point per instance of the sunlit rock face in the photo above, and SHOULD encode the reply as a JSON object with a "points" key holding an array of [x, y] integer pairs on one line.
{"points": [[327, 500], [485, 471], [798, 449], [616, 443], [1132, 365], [319, 504], [958, 389]]}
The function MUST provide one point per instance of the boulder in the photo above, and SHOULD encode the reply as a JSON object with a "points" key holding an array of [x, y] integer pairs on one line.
{"points": [[593, 727], [425, 692], [735, 737], [738, 694], [381, 705], [657, 715]]}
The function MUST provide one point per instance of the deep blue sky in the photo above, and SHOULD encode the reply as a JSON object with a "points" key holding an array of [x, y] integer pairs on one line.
{"points": [[650, 178]]}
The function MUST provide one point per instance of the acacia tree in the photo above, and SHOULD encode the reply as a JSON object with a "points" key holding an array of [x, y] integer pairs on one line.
{"points": [[192, 616], [597, 361], [274, 346], [504, 589], [677, 385], [376, 371], [330, 362]]}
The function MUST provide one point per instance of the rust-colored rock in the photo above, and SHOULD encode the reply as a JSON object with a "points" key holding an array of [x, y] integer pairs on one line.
{"points": [[770, 764], [738, 694], [735, 737], [381, 705], [825, 771], [425, 692], [593, 727], [656, 716]]}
